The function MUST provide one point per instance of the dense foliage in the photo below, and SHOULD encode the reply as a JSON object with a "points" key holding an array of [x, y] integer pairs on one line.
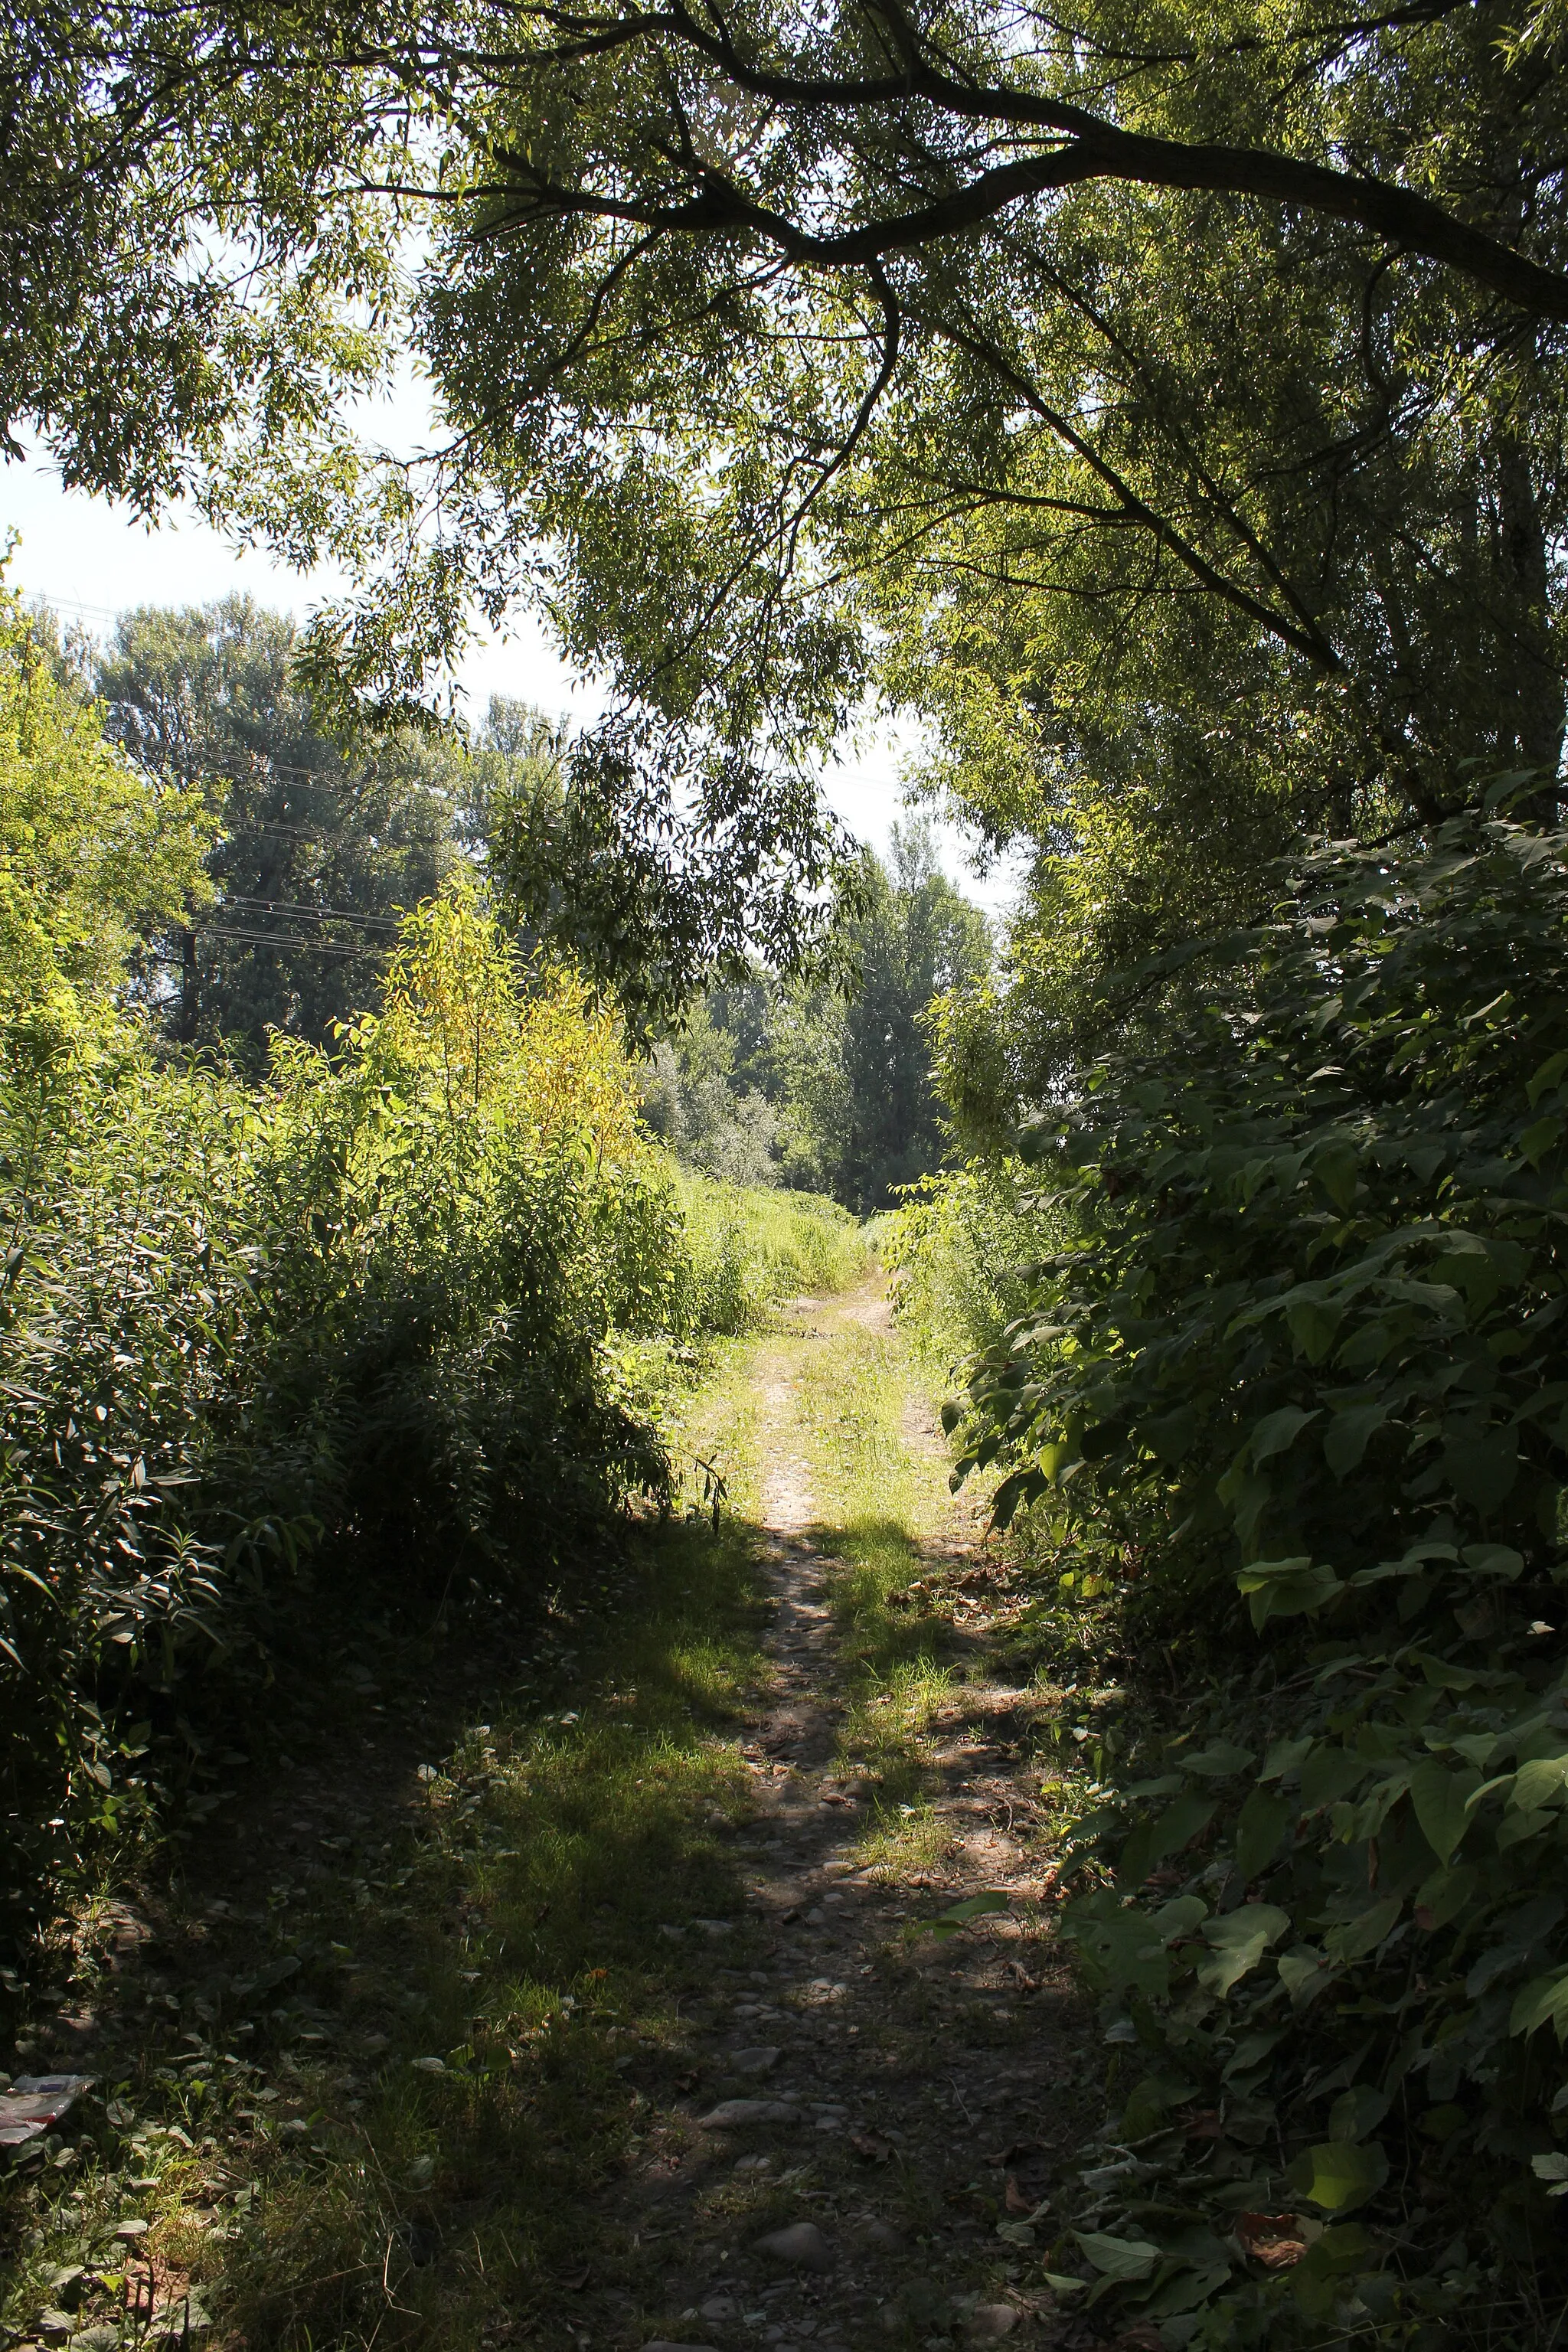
{"points": [[1173, 413], [1290, 1390], [317, 854], [368, 1335]]}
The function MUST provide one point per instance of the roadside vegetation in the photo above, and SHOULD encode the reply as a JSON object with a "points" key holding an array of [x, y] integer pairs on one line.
{"points": [[408, 1127]]}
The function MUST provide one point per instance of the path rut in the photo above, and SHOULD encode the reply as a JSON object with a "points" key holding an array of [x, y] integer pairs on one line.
{"points": [[892, 2103]]}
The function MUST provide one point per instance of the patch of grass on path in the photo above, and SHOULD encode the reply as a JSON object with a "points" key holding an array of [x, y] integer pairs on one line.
{"points": [[882, 1498]]}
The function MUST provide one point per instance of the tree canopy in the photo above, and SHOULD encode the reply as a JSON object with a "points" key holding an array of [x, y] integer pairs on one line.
{"points": [[317, 856], [1167, 405]]}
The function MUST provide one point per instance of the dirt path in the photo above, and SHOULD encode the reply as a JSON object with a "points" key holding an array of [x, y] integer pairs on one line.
{"points": [[873, 2101], [608, 2021]]}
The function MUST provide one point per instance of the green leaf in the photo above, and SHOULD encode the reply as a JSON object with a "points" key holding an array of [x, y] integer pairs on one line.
{"points": [[1355, 2113], [1278, 1430], [1260, 1827], [1335, 1167], [1286, 1588], [1170, 1436], [1339, 2174], [1438, 1798], [1538, 1139], [1285, 1756], [1346, 1436], [950, 1922], [1330, 1773], [1236, 1942], [1220, 1760], [1482, 1466], [1364, 1933], [1538, 1783], [1117, 2258], [1493, 1559], [1542, 2001], [1312, 1327]]}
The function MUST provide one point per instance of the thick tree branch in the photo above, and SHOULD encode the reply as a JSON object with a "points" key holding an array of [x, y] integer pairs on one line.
{"points": [[1093, 149]]}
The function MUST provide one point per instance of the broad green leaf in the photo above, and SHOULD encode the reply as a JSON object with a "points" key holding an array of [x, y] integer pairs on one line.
{"points": [[1482, 1466], [1363, 1934], [1170, 1436], [1335, 1167], [1259, 1829], [1339, 2174], [951, 1922], [1346, 1437], [1220, 1760], [1539, 1782], [1117, 2258], [1304, 1973], [1357, 2112], [1542, 2001], [1236, 1942], [1438, 1798], [1493, 1559], [1312, 1327], [1286, 1588], [1285, 1756], [1278, 1430], [1330, 1773], [1445, 1895]]}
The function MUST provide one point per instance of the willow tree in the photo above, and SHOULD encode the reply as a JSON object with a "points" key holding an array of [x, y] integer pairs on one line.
{"points": [[1166, 400]]}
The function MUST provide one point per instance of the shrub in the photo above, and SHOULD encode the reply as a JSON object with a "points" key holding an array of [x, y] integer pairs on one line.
{"points": [[959, 1249], [1292, 1395], [350, 1326]]}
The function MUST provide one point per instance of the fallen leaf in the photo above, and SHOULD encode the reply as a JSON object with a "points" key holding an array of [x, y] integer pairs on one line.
{"points": [[1271, 2239], [1014, 2198], [1141, 2338], [872, 2146], [1206, 2123]]}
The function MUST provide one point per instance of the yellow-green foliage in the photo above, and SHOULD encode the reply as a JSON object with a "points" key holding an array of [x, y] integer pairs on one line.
{"points": [[89, 854], [749, 1246], [364, 1311]]}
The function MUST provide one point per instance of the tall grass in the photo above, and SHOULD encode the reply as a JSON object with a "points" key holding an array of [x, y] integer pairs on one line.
{"points": [[748, 1246]]}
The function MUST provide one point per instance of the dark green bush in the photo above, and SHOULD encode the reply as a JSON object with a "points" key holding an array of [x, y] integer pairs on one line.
{"points": [[1292, 1399]]}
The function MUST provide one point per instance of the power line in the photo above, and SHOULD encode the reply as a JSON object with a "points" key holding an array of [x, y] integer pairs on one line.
{"points": [[284, 939], [247, 904]]}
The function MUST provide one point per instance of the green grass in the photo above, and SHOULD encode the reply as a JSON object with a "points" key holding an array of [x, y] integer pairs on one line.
{"points": [[751, 1246], [467, 2043]]}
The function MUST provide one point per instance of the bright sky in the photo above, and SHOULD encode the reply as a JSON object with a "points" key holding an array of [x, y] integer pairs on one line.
{"points": [[92, 561]]}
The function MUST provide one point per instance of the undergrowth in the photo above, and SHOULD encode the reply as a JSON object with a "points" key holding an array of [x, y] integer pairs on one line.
{"points": [[371, 2092], [1286, 1407]]}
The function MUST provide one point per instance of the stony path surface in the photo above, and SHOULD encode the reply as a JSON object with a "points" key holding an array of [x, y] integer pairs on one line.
{"points": [[867, 2103]]}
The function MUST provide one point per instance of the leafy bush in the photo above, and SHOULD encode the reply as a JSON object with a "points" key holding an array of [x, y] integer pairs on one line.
{"points": [[358, 1315], [1291, 1394], [958, 1249]]}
